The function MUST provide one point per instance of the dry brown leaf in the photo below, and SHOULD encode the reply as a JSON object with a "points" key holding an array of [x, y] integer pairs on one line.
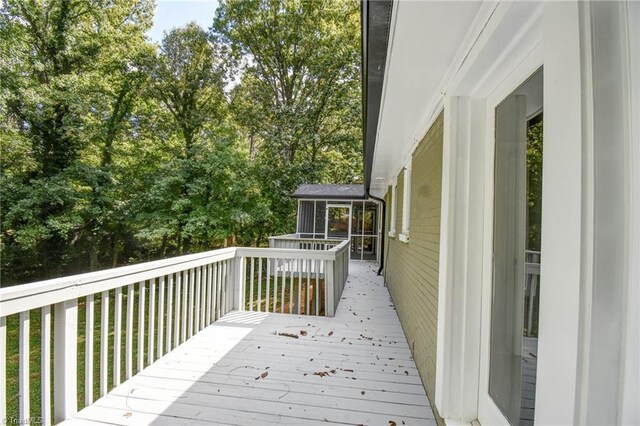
{"points": [[295, 336], [303, 333], [263, 375], [392, 423], [331, 333]]}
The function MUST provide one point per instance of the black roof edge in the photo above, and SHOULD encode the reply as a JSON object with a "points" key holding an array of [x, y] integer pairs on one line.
{"points": [[331, 197], [376, 24]]}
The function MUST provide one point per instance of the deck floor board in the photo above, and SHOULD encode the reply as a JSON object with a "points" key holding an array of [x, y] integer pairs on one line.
{"points": [[215, 377]]}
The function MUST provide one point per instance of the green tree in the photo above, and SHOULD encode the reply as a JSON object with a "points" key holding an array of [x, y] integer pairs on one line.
{"points": [[61, 64], [298, 97], [188, 78], [199, 203]]}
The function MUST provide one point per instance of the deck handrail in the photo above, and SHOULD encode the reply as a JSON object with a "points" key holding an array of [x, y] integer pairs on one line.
{"points": [[302, 243], [172, 299], [22, 297]]}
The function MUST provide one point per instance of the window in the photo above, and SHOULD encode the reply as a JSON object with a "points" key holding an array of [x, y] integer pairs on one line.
{"points": [[394, 210], [406, 205]]}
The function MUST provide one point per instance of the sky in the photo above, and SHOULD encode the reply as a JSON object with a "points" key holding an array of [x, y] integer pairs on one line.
{"points": [[175, 13]]}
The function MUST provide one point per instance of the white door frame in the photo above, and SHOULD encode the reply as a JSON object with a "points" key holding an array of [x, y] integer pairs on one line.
{"points": [[488, 412], [567, 390], [467, 207]]}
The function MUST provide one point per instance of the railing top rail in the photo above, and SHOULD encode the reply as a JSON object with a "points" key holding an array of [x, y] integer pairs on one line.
{"points": [[284, 237], [106, 274], [292, 253], [342, 246], [296, 237], [35, 295]]}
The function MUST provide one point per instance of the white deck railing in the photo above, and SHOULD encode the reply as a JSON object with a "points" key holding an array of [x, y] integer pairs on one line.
{"points": [[138, 313], [294, 241]]}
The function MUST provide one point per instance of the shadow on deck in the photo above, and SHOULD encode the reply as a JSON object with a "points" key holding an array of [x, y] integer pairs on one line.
{"points": [[248, 368]]}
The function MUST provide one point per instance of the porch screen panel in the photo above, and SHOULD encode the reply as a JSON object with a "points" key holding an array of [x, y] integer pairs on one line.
{"points": [[321, 211], [509, 237], [305, 219], [357, 215], [370, 231]]}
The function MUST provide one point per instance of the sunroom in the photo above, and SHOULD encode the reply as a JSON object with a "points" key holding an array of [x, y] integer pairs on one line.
{"points": [[339, 212]]}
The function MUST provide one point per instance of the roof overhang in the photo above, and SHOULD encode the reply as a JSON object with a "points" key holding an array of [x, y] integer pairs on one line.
{"points": [[376, 23], [330, 192], [409, 54]]}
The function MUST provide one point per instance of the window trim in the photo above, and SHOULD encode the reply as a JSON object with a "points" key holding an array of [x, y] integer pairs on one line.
{"points": [[406, 204], [394, 210]]}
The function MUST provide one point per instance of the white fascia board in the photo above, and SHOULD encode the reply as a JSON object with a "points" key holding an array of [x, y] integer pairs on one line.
{"points": [[385, 82]]}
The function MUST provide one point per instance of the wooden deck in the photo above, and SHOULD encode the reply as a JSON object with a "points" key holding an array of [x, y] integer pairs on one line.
{"points": [[354, 368]]}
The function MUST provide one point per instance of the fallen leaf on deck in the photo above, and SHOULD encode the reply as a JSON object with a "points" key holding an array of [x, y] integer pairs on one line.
{"points": [[392, 423], [331, 333], [129, 414], [263, 375], [406, 372], [303, 333], [295, 336], [362, 392], [347, 370]]}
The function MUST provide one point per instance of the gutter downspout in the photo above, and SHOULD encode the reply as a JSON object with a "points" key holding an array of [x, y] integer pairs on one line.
{"points": [[384, 221]]}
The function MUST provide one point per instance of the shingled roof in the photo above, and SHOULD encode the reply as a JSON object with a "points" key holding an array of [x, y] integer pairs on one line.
{"points": [[331, 192]]}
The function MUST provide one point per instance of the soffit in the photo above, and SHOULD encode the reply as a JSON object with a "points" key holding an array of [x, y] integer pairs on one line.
{"points": [[426, 38]]}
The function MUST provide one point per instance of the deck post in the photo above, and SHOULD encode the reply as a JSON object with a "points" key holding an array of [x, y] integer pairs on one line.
{"points": [[238, 283], [65, 348], [329, 279]]}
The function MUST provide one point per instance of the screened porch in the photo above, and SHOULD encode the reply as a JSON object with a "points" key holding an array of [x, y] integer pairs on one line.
{"points": [[340, 212]]}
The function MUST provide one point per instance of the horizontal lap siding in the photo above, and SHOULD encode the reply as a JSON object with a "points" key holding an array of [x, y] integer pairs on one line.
{"points": [[412, 268]]}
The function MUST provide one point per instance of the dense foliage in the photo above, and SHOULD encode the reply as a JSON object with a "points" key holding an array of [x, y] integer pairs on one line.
{"points": [[117, 150]]}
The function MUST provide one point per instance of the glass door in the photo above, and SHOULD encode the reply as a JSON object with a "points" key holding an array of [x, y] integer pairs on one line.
{"points": [[338, 223], [516, 252], [364, 227]]}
